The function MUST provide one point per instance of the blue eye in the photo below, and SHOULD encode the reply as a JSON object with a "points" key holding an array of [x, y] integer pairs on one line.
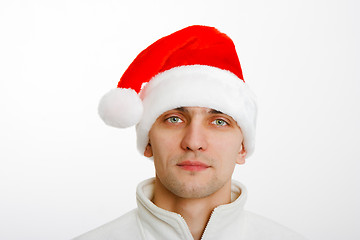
{"points": [[174, 119], [219, 122]]}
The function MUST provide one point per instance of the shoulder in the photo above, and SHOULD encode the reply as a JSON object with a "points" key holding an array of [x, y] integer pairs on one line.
{"points": [[124, 227], [261, 227]]}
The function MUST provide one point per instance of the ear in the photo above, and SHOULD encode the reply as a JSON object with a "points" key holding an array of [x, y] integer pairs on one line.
{"points": [[148, 151], [241, 155]]}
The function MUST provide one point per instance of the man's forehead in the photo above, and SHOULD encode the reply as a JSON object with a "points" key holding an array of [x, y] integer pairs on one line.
{"points": [[201, 109]]}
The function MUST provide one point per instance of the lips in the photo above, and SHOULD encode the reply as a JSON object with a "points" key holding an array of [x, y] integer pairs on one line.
{"points": [[194, 166]]}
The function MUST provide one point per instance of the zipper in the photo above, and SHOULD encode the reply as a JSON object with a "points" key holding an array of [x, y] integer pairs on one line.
{"points": [[186, 227], [207, 225]]}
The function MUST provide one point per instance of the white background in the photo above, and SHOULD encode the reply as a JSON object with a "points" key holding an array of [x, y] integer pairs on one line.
{"points": [[64, 172]]}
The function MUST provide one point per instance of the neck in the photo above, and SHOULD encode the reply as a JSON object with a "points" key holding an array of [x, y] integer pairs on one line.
{"points": [[195, 211]]}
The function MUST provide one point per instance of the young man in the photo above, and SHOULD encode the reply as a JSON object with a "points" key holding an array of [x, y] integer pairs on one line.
{"points": [[195, 117]]}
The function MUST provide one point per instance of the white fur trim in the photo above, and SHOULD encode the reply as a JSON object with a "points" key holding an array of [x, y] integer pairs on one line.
{"points": [[120, 108], [201, 86]]}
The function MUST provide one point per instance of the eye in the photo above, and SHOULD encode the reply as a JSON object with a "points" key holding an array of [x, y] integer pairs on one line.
{"points": [[174, 119], [219, 122]]}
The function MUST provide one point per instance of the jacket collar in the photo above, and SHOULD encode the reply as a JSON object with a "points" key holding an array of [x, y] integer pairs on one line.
{"points": [[163, 224]]}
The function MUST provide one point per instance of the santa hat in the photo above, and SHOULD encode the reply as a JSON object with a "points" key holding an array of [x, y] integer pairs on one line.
{"points": [[195, 66]]}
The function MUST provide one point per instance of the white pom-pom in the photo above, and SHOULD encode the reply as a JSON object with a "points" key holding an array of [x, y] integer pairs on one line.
{"points": [[121, 108]]}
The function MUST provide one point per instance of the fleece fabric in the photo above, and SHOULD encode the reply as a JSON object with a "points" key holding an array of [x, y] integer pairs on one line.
{"points": [[227, 222]]}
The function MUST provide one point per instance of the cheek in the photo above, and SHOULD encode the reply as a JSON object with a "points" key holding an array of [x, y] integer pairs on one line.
{"points": [[227, 144], [226, 148], [165, 139], [164, 147]]}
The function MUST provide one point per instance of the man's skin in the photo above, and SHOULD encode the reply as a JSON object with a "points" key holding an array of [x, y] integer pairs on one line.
{"points": [[195, 151]]}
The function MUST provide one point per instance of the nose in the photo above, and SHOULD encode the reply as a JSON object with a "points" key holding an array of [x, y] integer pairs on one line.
{"points": [[194, 138]]}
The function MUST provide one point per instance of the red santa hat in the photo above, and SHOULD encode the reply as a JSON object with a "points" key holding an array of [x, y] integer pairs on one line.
{"points": [[195, 66]]}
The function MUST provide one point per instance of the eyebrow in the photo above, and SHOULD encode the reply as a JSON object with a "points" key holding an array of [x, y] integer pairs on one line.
{"points": [[211, 111]]}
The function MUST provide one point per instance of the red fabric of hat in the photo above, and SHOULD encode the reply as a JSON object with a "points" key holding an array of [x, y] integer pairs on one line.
{"points": [[194, 45]]}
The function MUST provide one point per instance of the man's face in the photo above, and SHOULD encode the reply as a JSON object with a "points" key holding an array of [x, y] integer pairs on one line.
{"points": [[195, 150]]}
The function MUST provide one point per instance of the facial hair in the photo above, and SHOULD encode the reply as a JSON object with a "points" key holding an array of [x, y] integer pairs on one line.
{"points": [[192, 185]]}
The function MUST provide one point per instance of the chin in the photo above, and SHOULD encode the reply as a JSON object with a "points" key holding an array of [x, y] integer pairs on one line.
{"points": [[193, 188]]}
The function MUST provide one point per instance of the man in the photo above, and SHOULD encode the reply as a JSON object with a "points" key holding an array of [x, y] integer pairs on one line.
{"points": [[195, 117]]}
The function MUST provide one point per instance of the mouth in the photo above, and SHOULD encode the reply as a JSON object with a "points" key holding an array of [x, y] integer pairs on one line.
{"points": [[193, 166]]}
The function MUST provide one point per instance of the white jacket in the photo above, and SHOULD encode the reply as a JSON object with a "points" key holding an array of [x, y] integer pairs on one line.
{"points": [[227, 222]]}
